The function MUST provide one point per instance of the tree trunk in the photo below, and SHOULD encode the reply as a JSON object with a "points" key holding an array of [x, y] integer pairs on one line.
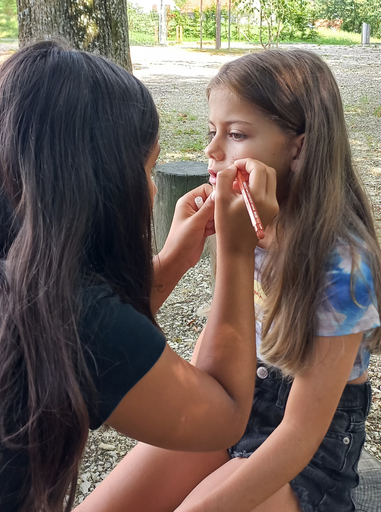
{"points": [[201, 15], [98, 26], [218, 25], [162, 23]]}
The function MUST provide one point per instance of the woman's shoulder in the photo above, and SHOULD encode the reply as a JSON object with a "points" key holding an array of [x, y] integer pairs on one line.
{"points": [[105, 311], [120, 345]]}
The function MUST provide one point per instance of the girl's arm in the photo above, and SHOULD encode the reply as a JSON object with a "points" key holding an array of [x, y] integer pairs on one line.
{"points": [[185, 242], [181, 407], [310, 408]]}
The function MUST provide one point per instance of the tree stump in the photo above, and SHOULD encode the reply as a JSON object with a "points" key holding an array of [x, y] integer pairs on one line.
{"points": [[173, 180], [367, 496]]}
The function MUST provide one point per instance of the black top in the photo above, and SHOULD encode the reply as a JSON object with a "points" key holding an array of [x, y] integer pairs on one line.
{"points": [[120, 346]]}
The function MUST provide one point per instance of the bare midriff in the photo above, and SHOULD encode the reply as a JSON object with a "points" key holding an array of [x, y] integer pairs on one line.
{"points": [[360, 380]]}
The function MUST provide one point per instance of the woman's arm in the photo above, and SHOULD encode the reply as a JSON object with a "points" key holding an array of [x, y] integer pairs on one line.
{"points": [[310, 408], [185, 242], [181, 407]]}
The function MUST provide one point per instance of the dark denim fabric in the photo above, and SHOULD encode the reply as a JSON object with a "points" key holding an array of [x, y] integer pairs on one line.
{"points": [[326, 483]]}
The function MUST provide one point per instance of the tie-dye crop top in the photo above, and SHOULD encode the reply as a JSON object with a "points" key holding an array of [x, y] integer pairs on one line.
{"points": [[338, 312]]}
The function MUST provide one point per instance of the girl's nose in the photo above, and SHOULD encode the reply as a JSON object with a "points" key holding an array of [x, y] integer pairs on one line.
{"points": [[214, 151]]}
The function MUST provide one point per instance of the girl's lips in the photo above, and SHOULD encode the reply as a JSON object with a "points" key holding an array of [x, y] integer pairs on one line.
{"points": [[213, 177]]}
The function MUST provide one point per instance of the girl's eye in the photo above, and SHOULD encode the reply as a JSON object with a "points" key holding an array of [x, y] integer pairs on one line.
{"points": [[237, 136], [211, 135]]}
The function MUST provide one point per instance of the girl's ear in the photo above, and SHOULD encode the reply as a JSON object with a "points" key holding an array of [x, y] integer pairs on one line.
{"points": [[297, 147]]}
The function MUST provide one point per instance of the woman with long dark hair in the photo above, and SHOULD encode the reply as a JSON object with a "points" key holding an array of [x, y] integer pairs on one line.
{"points": [[79, 345]]}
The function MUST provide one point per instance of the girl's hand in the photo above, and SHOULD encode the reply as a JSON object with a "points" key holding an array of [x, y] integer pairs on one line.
{"points": [[233, 226]]}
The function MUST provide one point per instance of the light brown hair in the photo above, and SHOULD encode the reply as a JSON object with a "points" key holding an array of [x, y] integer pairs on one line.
{"points": [[325, 200]]}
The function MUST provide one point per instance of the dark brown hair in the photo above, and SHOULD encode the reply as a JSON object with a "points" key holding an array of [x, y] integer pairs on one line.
{"points": [[325, 201], [75, 133]]}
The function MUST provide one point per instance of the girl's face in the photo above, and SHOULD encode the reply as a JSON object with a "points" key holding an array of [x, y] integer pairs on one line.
{"points": [[150, 164], [239, 130]]}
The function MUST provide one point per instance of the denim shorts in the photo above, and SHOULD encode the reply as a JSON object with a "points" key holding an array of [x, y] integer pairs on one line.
{"points": [[326, 483]]}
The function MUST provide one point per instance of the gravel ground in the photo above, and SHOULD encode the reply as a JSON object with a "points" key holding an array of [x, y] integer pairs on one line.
{"points": [[177, 78]]}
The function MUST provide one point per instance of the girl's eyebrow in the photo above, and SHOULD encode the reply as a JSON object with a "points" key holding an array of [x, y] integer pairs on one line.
{"points": [[234, 121]]}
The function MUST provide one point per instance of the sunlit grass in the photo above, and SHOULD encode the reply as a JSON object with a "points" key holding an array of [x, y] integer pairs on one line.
{"points": [[329, 36]]}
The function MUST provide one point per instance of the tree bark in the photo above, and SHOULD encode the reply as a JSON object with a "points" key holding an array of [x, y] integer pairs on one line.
{"points": [[98, 26]]}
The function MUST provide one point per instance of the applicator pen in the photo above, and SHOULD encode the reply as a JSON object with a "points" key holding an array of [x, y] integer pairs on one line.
{"points": [[250, 207]]}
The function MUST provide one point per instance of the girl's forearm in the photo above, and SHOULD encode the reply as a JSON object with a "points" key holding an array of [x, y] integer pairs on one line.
{"points": [[280, 458]]}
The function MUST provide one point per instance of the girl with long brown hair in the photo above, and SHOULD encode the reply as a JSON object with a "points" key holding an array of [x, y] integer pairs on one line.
{"points": [[317, 293], [79, 345]]}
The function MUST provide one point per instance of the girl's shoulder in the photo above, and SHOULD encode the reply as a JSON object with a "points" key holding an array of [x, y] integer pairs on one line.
{"points": [[347, 301], [348, 257]]}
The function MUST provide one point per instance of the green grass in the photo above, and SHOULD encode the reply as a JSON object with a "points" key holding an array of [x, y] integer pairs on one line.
{"points": [[328, 36], [185, 135], [321, 36], [141, 39], [377, 112]]}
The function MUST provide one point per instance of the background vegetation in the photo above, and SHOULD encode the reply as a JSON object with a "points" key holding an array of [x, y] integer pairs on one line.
{"points": [[251, 21], [8, 19]]}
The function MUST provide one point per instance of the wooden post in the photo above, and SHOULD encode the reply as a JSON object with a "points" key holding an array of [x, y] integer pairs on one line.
{"points": [[179, 34], [173, 180]]}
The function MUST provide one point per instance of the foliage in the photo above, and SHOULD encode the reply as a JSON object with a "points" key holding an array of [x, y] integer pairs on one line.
{"points": [[141, 25], [280, 19], [8, 19], [353, 13]]}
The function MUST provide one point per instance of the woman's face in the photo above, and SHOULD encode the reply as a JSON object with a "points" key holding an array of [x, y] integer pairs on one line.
{"points": [[148, 168], [238, 129]]}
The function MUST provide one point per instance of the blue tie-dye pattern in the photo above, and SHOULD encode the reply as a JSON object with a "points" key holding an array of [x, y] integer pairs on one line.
{"points": [[339, 295], [339, 314]]}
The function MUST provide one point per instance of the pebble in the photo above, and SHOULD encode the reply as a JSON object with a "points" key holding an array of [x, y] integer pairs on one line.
{"points": [[104, 446]]}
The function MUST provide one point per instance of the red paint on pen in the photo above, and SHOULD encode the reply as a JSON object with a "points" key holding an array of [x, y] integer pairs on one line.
{"points": [[250, 207]]}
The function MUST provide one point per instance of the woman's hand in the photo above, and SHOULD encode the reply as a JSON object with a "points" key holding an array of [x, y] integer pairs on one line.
{"points": [[184, 244], [191, 226]]}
